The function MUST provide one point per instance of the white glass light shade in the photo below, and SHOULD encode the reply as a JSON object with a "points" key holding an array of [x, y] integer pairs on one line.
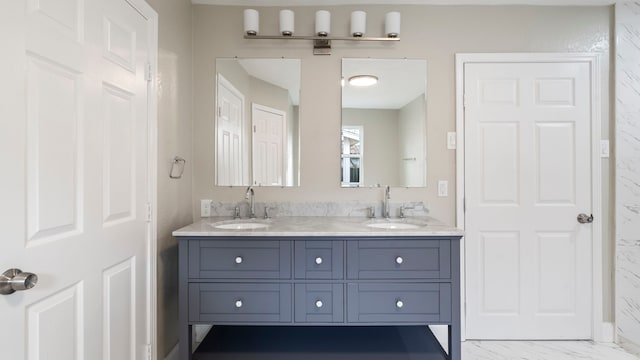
{"points": [[323, 23], [358, 23], [363, 80], [286, 22], [392, 24], [251, 22]]}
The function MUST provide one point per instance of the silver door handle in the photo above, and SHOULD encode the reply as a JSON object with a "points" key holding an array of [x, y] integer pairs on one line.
{"points": [[585, 219], [14, 280]]}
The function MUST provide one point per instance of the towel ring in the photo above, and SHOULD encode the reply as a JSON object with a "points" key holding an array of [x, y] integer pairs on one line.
{"points": [[177, 167]]}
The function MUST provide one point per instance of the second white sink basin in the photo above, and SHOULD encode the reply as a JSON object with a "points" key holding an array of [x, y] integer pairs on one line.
{"points": [[240, 225], [393, 225]]}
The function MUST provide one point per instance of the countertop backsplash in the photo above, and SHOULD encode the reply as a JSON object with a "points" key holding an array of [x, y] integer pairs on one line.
{"points": [[352, 208]]}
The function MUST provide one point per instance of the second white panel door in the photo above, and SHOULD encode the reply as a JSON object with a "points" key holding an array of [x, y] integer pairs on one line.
{"points": [[527, 177], [269, 129]]}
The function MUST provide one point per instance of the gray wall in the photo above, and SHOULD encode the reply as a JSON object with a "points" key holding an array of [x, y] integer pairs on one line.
{"points": [[435, 33], [174, 138]]}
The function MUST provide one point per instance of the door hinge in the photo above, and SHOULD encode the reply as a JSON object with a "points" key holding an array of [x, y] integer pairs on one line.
{"points": [[219, 111], [149, 354], [148, 74], [149, 212], [254, 128], [464, 100]]}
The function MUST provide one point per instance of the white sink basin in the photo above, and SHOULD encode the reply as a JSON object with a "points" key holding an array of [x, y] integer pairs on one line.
{"points": [[240, 225], [393, 225]]}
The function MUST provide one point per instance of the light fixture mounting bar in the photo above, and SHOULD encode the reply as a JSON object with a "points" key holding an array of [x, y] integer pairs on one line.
{"points": [[321, 44], [344, 38]]}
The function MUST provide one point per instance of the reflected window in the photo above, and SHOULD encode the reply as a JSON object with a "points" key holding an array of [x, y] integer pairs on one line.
{"points": [[351, 164]]}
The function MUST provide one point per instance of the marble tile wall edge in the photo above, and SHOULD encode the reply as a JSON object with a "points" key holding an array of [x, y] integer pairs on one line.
{"points": [[627, 154]]}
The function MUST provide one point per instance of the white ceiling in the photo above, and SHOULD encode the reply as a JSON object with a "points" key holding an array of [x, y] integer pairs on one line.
{"points": [[284, 73], [399, 82], [402, 2]]}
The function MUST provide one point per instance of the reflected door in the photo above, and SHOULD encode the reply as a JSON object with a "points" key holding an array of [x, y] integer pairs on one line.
{"points": [[527, 177], [269, 129], [229, 159], [74, 139]]}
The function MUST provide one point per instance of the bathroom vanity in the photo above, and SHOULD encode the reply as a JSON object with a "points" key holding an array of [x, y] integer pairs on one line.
{"points": [[319, 271]]}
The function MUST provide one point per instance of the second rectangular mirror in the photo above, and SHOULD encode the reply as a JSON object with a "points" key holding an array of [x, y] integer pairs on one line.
{"points": [[257, 122], [383, 133]]}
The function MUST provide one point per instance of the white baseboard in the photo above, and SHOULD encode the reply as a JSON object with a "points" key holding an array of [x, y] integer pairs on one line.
{"points": [[608, 333], [173, 355]]}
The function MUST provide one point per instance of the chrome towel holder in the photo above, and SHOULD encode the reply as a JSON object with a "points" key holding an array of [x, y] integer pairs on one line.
{"points": [[177, 167]]}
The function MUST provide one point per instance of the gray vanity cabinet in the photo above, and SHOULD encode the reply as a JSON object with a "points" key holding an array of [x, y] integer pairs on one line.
{"points": [[319, 281]]}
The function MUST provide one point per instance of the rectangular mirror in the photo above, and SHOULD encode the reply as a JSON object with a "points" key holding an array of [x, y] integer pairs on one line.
{"points": [[384, 126], [257, 122]]}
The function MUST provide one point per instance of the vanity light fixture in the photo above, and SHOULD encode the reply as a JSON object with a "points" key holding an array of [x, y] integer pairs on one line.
{"points": [[286, 22], [322, 39], [251, 22], [323, 23], [363, 80], [358, 23]]}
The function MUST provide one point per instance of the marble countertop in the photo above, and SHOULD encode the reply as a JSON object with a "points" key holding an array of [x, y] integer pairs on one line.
{"points": [[320, 226]]}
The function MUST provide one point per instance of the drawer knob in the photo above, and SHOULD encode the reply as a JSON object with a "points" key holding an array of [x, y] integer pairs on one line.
{"points": [[238, 303], [399, 260], [238, 259], [399, 304], [319, 304], [318, 260]]}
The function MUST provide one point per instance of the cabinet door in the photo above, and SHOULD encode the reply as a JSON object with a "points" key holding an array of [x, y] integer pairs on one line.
{"points": [[399, 303], [399, 259], [319, 303], [319, 259], [233, 259], [239, 303]]}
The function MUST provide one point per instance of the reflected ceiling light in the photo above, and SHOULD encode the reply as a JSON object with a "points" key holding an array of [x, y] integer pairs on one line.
{"points": [[363, 80]]}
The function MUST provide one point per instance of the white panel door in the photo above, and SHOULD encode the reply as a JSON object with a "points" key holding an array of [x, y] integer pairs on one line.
{"points": [[527, 177], [230, 161], [269, 130], [74, 138]]}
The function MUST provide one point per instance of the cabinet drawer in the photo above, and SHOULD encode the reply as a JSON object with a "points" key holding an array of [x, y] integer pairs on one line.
{"points": [[239, 303], [232, 259], [319, 303], [318, 259], [399, 303], [399, 259]]}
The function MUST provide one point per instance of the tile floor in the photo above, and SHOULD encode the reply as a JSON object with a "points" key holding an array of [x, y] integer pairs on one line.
{"points": [[543, 350]]}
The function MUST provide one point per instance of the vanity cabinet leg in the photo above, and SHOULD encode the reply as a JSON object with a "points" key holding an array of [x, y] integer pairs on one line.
{"points": [[185, 341], [185, 332]]}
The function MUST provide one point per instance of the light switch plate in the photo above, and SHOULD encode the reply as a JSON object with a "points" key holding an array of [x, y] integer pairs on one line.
{"points": [[604, 148], [205, 208], [451, 140], [443, 188]]}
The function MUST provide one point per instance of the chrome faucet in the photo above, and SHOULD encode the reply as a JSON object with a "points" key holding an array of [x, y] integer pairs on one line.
{"points": [[249, 195], [387, 196]]}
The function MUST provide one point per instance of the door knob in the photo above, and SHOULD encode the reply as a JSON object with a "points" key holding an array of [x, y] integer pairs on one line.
{"points": [[14, 280], [585, 219]]}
